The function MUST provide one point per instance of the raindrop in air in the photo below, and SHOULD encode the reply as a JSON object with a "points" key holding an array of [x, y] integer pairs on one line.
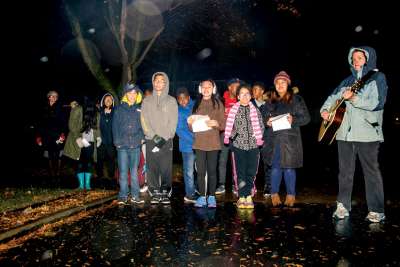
{"points": [[358, 28], [92, 30], [205, 53], [44, 59]]}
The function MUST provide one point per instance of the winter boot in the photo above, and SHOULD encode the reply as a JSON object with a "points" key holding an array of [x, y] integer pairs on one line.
{"points": [[289, 201], [81, 177], [276, 201]]}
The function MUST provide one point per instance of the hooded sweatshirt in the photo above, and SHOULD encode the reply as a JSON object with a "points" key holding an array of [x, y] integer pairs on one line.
{"points": [[363, 118], [159, 113]]}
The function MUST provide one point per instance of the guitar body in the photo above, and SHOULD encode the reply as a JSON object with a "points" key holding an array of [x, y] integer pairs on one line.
{"points": [[328, 129]]}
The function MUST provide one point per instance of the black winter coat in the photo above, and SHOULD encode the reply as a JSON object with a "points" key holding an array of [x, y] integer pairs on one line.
{"points": [[289, 140]]}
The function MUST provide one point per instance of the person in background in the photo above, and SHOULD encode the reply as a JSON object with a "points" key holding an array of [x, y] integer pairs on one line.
{"points": [[186, 137], [51, 132], [83, 139], [230, 99], [360, 133], [106, 151]]}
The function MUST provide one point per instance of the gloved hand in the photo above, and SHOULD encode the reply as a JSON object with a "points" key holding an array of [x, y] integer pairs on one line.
{"points": [[98, 143], [159, 141], [39, 141]]}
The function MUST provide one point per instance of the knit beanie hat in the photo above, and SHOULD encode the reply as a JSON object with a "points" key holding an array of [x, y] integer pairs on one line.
{"points": [[282, 75]]}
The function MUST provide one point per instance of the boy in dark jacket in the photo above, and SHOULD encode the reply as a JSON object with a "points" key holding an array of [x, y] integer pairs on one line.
{"points": [[128, 136]]}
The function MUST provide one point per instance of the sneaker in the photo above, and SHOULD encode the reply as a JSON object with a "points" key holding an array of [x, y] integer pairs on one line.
{"points": [[241, 203], [249, 203], [375, 217], [136, 200], [220, 190], [122, 201], [341, 212], [190, 199], [165, 200], [201, 202], [155, 199], [212, 203], [144, 188], [267, 193]]}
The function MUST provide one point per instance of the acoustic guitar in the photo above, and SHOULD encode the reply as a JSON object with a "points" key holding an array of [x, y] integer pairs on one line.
{"points": [[329, 128]]}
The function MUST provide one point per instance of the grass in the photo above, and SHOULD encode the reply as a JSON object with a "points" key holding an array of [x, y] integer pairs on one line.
{"points": [[14, 198]]}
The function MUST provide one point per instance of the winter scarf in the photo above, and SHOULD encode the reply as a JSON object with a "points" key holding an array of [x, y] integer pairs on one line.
{"points": [[254, 123]]}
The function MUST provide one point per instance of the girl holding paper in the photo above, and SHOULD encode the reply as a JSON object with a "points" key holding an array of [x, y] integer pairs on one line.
{"points": [[207, 143], [283, 149]]}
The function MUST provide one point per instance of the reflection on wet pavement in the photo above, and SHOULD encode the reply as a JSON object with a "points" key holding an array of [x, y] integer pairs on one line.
{"points": [[181, 235]]}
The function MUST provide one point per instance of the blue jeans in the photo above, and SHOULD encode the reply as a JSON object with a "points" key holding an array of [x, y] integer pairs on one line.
{"points": [[128, 159], [188, 169], [289, 175]]}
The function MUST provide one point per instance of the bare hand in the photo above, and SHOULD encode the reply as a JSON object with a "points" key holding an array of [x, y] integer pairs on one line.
{"points": [[212, 123], [269, 122], [325, 115], [190, 120], [290, 119], [348, 94]]}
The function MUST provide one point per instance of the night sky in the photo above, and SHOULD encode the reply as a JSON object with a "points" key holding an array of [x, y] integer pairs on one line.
{"points": [[310, 40]]}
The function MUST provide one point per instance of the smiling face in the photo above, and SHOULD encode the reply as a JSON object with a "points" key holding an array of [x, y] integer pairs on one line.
{"points": [[281, 86], [183, 100], [159, 83], [358, 59], [207, 89], [258, 92], [244, 96], [108, 101], [131, 96]]}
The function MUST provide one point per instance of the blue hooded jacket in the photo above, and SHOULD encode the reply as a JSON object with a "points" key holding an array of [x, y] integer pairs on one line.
{"points": [[186, 136]]}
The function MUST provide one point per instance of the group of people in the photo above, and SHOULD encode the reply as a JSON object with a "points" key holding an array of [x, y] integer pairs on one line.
{"points": [[241, 126]]}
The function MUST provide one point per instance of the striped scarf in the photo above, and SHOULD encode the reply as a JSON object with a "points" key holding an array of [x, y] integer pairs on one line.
{"points": [[254, 123]]}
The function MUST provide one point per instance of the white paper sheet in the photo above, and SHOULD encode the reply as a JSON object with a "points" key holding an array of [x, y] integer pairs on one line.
{"points": [[280, 122], [199, 123]]}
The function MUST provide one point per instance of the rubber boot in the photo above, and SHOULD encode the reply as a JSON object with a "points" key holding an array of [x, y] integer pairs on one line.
{"points": [[81, 177], [88, 175]]}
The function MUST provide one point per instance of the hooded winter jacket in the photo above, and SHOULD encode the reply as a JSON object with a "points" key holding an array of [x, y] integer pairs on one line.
{"points": [[106, 121], [159, 113], [362, 121]]}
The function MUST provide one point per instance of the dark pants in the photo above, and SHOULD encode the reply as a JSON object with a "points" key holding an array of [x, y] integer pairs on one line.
{"points": [[206, 163], [159, 167], [86, 159], [105, 154], [267, 172], [368, 155], [223, 158], [246, 169]]}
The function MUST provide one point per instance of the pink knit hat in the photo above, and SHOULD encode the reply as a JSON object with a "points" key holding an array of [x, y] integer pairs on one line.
{"points": [[282, 75]]}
